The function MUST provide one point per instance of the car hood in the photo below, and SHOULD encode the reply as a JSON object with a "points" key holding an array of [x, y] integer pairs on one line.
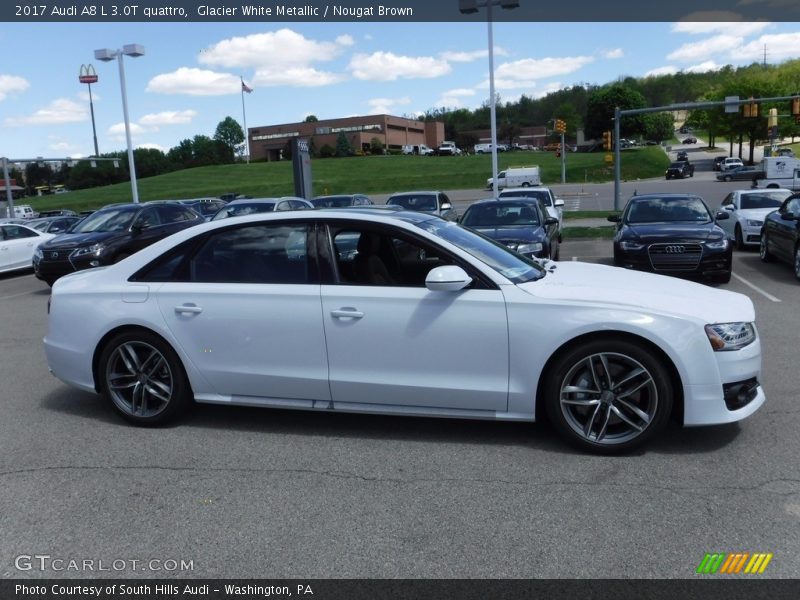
{"points": [[755, 213], [588, 282], [77, 240], [517, 234], [671, 232]]}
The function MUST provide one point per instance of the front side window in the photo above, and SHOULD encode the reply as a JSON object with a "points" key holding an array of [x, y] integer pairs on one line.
{"points": [[14, 232], [175, 214], [107, 220], [793, 206], [419, 202]]}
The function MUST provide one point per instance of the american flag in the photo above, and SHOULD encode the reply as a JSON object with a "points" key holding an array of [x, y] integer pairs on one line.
{"points": [[249, 90]]}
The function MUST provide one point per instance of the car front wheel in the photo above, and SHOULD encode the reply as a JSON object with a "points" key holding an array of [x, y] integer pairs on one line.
{"points": [[739, 237], [143, 377], [609, 396], [763, 248]]}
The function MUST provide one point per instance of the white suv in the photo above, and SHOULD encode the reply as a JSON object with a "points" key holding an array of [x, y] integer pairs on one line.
{"points": [[731, 163], [24, 211]]}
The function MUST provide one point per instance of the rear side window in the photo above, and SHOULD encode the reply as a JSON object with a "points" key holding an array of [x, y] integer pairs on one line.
{"points": [[175, 214]]}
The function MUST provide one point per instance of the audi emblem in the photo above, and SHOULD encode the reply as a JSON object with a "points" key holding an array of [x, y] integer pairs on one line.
{"points": [[674, 249]]}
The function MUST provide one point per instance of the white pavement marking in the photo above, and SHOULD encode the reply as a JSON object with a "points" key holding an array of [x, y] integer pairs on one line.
{"points": [[756, 288], [16, 295]]}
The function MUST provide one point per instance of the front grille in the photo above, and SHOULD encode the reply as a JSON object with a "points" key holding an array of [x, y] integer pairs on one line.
{"points": [[675, 257], [57, 255]]}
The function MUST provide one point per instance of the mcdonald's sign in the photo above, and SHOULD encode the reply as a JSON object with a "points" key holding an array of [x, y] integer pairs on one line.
{"points": [[87, 74], [734, 563]]}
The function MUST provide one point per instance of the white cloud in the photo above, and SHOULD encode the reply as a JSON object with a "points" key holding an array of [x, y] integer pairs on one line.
{"points": [[472, 55], [666, 70], [386, 66], [195, 82], [85, 96], [295, 77], [117, 130], [10, 84], [61, 110], [615, 53], [509, 84], [532, 69], [713, 46], [381, 106], [779, 46], [720, 22], [703, 67], [460, 92], [170, 117], [548, 89], [345, 40], [271, 50]]}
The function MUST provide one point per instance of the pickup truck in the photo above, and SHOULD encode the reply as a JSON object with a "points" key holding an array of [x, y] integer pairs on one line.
{"points": [[680, 169], [448, 149]]}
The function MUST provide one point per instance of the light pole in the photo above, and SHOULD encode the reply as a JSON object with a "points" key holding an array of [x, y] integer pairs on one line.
{"points": [[467, 7], [88, 76], [107, 55]]}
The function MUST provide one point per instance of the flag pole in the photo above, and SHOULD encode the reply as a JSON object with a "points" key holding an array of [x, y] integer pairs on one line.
{"points": [[244, 120]]}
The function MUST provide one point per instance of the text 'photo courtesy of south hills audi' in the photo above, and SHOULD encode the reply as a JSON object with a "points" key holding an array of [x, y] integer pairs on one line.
{"points": [[283, 10]]}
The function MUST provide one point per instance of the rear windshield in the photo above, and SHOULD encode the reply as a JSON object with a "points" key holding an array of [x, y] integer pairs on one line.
{"points": [[501, 214], [238, 210]]}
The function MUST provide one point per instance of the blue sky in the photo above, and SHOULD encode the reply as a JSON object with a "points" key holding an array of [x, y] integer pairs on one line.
{"points": [[188, 80]]}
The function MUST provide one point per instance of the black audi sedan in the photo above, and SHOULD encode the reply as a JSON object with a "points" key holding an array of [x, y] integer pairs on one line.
{"points": [[109, 235], [780, 236], [521, 224], [672, 234]]}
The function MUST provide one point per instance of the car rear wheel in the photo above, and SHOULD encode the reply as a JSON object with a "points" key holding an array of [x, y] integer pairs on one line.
{"points": [[728, 178], [763, 248], [608, 396], [739, 237], [797, 262], [143, 378]]}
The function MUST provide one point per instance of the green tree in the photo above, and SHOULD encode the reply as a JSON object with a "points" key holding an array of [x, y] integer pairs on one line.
{"points": [[376, 146], [600, 111], [343, 147], [659, 126], [230, 133], [311, 119]]}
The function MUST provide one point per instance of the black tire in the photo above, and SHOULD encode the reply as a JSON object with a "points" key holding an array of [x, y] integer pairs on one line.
{"points": [[763, 249], [797, 262], [144, 365], [737, 234], [557, 254], [728, 178], [721, 277], [526, 184], [645, 410]]}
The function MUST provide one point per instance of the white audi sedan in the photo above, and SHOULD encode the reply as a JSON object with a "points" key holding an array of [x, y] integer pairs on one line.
{"points": [[365, 310], [17, 245], [748, 209]]}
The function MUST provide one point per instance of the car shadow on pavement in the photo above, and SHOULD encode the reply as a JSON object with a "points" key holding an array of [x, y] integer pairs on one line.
{"points": [[694, 440]]}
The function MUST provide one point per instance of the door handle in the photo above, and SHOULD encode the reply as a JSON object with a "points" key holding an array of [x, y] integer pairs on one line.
{"points": [[347, 313], [188, 309]]}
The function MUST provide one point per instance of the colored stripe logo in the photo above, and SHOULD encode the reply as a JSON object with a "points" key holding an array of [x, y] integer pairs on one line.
{"points": [[734, 563]]}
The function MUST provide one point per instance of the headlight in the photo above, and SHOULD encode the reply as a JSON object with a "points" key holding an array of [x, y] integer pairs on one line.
{"points": [[529, 248], [754, 223], [38, 253], [720, 244], [730, 336], [93, 250], [631, 245]]}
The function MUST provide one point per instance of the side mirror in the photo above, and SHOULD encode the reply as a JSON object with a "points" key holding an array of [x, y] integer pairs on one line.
{"points": [[551, 221], [559, 202], [787, 216], [446, 206], [447, 279], [722, 216], [614, 218]]}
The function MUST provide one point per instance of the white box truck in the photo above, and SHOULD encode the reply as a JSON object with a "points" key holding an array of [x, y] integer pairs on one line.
{"points": [[781, 172], [516, 177]]}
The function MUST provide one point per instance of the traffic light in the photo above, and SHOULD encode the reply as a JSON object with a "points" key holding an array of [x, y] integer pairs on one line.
{"points": [[608, 142], [772, 120], [750, 111], [561, 126]]}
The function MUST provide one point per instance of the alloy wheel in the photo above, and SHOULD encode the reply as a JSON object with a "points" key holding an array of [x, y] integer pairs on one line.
{"points": [[139, 379], [608, 398]]}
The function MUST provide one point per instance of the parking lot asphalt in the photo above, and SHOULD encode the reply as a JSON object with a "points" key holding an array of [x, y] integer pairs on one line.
{"points": [[256, 492]]}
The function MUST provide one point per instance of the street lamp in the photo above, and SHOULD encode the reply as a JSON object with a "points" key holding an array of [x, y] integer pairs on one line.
{"points": [[468, 7], [107, 55]]}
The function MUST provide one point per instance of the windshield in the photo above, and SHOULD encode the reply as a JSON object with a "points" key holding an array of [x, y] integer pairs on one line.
{"points": [[238, 210], [112, 219], [332, 201], [536, 194], [414, 201], [509, 264], [650, 210], [501, 214], [765, 200]]}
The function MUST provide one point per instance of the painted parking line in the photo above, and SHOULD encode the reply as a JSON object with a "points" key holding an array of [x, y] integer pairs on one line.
{"points": [[16, 295], [755, 288]]}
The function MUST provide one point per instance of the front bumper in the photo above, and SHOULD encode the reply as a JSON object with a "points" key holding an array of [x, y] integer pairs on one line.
{"points": [[712, 262]]}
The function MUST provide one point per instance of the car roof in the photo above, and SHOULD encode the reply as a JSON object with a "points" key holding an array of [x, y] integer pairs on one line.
{"points": [[410, 216], [531, 188], [513, 200], [414, 193], [673, 196]]}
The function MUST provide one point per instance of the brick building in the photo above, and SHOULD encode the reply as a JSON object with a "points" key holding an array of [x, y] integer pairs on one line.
{"points": [[266, 142]]}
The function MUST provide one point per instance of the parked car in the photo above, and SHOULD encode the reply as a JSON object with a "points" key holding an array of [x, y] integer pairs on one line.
{"points": [[787, 152], [748, 209], [673, 234], [689, 140], [17, 245], [780, 236], [521, 224], [718, 160], [448, 149], [205, 207], [554, 206], [434, 203], [239, 208], [53, 224], [516, 177], [420, 149], [682, 155], [445, 323], [341, 201], [24, 211], [110, 235], [743, 173], [679, 170], [730, 162]]}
